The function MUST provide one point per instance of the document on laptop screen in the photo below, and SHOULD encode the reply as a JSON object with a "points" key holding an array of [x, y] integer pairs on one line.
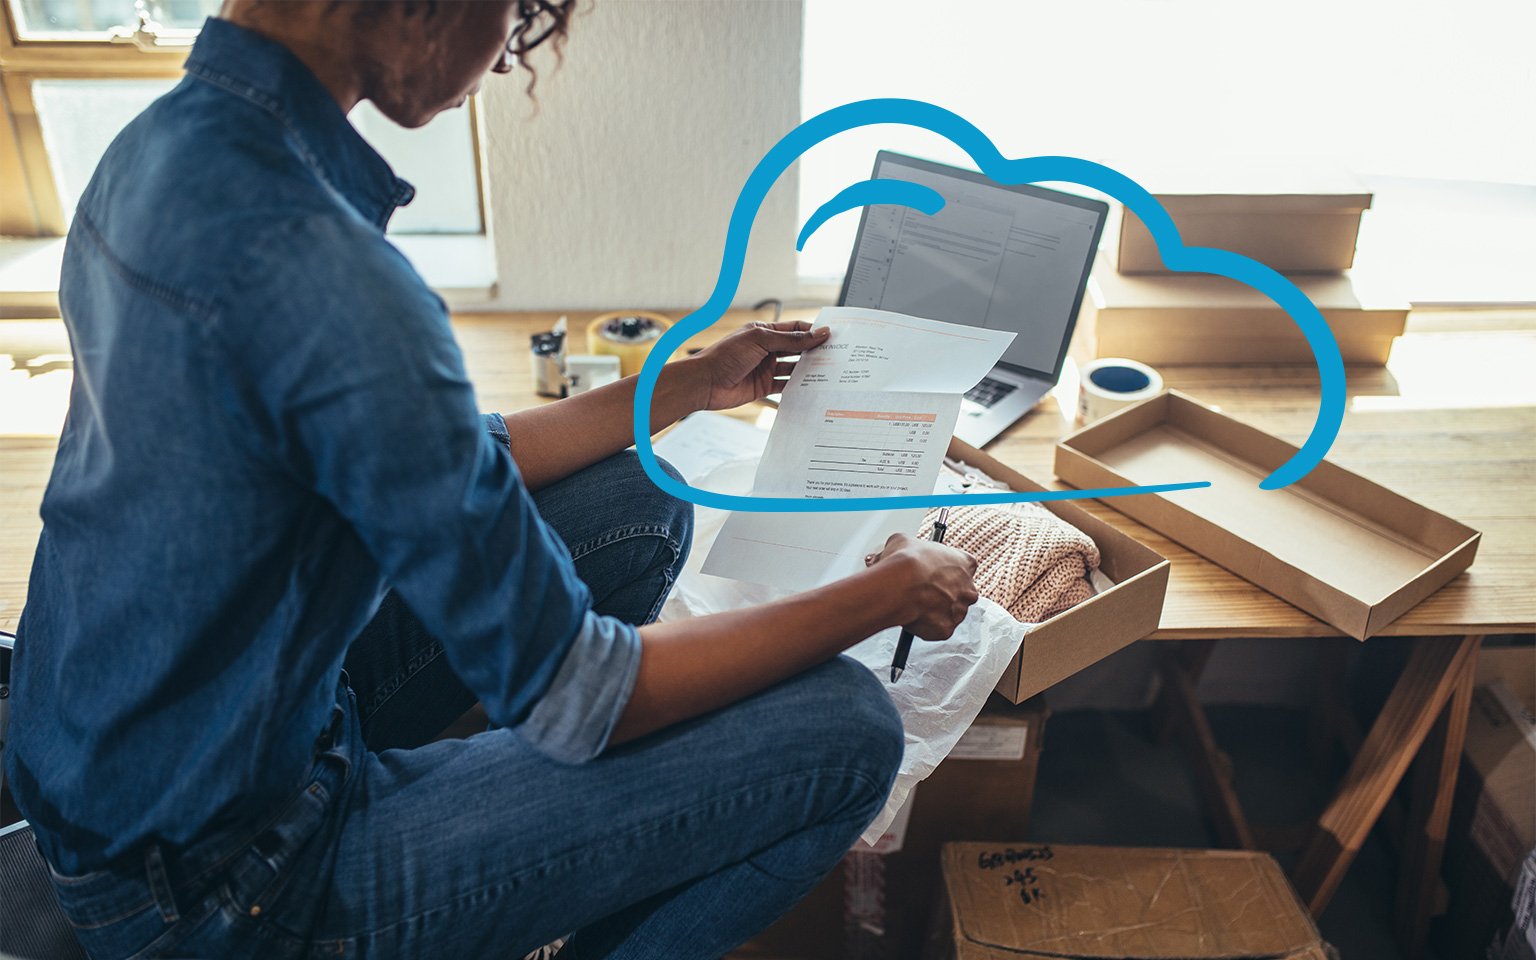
{"points": [[869, 413], [993, 257]]}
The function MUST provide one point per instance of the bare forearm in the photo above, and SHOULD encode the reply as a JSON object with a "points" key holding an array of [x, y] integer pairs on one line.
{"points": [[691, 667], [555, 440]]}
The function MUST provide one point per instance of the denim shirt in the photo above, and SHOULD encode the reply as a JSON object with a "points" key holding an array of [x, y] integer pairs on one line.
{"points": [[270, 424]]}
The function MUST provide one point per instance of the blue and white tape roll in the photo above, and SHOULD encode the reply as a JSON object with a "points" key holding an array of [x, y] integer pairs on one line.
{"points": [[1109, 383]]}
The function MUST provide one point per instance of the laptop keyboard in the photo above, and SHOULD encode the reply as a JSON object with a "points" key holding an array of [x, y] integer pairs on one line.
{"points": [[989, 391]]}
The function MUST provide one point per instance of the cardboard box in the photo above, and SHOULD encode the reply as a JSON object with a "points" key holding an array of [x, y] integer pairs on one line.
{"points": [[1003, 900], [1294, 218], [1500, 751], [1493, 819], [1348, 551], [1092, 630], [1198, 318], [876, 904], [1520, 943]]}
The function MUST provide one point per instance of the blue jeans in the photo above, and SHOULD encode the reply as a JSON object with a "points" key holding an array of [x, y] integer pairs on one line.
{"points": [[681, 844]]}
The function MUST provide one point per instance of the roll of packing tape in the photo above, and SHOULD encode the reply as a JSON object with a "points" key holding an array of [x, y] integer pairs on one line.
{"points": [[1109, 383], [627, 335]]}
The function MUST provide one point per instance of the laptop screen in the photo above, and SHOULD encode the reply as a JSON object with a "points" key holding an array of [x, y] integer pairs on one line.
{"points": [[1003, 257]]}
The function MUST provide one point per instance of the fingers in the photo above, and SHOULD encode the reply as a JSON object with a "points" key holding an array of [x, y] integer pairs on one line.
{"points": [[892, 543], [784, 325], [945, 586], [790, 336], [941, 625], [943, 628]]}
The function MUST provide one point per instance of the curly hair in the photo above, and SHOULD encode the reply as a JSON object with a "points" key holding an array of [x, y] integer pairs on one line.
{"points": [[538, 22]]}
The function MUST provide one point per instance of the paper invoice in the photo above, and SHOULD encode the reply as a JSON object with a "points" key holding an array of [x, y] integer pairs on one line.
{"points": [[869, 413]]}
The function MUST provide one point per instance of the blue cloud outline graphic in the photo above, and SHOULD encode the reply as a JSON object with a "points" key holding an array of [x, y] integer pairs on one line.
{"points": [[868, 192], [917, 113]]}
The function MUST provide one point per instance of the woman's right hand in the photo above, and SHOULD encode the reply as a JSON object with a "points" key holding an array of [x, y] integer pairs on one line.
{"points": [[936, 584], [692, 666]]}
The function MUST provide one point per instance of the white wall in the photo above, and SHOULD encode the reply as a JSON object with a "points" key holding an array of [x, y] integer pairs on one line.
{"points": [[616, 193]]}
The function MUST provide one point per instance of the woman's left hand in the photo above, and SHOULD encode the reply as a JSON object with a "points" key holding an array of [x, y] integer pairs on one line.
{"points": [[749, 364]]}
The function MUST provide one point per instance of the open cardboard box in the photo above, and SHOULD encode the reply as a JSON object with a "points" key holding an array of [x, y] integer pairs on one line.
{"points": [[1348, 551], [1100, 625]]}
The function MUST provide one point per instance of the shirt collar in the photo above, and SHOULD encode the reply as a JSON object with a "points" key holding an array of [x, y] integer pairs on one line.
{"points": [[265, 73]]}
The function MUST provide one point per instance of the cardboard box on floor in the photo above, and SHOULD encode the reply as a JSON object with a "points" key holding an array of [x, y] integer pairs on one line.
{"points": [[1520, 942], [1199, 318], [1091, 630], [1501, 751], [876, 904], [1493, 820], [1348, 551], [1005, 900], [1295, 218]]}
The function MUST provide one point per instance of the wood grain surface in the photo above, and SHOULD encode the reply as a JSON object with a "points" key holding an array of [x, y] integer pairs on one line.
{"points": [[1433, 425]]}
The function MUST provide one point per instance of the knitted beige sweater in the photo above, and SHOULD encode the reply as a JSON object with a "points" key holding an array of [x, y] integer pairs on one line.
{"points": [[1029, 562]]}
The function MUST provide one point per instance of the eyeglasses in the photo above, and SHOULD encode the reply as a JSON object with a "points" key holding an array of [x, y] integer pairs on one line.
{"points": [[537, 21]]}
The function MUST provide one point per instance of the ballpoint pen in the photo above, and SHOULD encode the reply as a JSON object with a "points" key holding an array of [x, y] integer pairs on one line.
{"points": [[904, 644]]}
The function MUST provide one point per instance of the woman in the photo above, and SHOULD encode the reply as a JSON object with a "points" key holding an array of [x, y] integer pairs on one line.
{"points": [[281, 552]]}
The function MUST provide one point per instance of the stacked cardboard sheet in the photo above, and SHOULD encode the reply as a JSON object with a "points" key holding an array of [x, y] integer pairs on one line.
{"points": [[1294, 217], [1298, 220], [1197, 318]]}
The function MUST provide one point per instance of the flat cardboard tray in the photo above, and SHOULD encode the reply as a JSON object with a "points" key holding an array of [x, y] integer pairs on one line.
{"points": [[1100, 625], [1346, 550]]}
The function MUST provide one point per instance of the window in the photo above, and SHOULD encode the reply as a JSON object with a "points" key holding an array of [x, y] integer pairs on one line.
{"points": [[1429, 105], [85, 19], [74, 72]]}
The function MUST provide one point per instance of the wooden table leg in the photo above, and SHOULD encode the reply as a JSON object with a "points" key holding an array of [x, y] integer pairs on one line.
{"points": [[1334, 725], [1434, 786], [1329, 705], [1431, 677], [1191, 656], [1213, 770]]}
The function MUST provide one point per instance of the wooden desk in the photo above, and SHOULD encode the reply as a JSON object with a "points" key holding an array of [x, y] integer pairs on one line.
{"points": [[1434, 425]]}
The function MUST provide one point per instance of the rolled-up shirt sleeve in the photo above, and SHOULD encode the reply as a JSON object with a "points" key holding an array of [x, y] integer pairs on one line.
{"points": [[496, 426], [572, 722], [372, 409]]}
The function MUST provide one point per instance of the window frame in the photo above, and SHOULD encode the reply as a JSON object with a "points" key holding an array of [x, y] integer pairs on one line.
{"points": [[29, 195]]}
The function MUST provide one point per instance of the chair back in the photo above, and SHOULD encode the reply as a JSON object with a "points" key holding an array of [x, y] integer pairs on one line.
{"points": [[31, 923]]}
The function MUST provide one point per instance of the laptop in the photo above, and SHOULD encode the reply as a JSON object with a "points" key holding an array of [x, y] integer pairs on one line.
{"points": [[1004, 257]]}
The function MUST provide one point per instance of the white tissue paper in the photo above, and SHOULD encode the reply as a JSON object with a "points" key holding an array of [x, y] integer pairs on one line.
{"points": [[945, 684]]}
